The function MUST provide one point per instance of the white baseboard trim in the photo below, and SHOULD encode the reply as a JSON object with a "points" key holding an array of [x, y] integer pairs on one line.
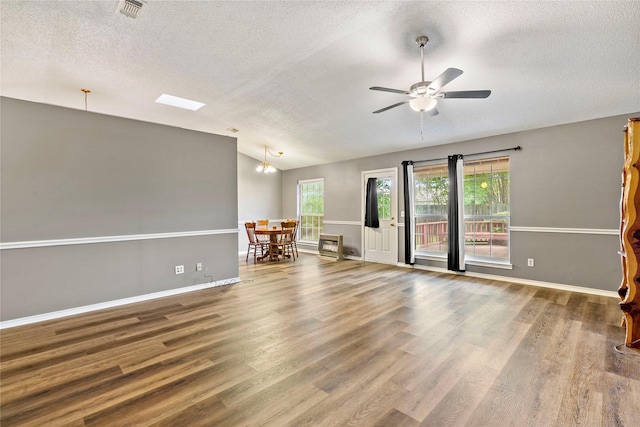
{"points": [[529, 282], [115, 303], [111, 239]]}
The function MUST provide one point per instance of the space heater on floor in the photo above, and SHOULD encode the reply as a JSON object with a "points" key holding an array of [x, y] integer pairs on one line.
{"points": [[330, 245]]}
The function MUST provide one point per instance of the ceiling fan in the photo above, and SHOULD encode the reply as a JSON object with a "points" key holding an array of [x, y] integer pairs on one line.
{"points": [[424, 95]]}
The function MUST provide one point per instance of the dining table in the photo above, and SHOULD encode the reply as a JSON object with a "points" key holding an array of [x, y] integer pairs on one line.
{"points": [[273, 232]]}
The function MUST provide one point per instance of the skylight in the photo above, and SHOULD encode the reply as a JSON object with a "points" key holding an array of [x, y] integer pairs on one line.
{"points": [[176, 101]]}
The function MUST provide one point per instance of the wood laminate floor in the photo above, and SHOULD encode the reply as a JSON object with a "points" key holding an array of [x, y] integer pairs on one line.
{"points": [[321, 343]]}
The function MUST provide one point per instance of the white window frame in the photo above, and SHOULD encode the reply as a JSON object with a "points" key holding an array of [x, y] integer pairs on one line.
{"points": [[470, 259], [320, 228], [426, 253], [491, 217]]}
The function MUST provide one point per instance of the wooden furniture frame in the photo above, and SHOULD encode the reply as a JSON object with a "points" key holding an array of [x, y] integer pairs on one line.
{"points": [[630, 234], [286, 244], [254, 242], [295, 235], [274, 235]]}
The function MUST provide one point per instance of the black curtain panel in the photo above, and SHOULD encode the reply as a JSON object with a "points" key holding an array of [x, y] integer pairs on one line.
{"points": [[455, 256], [371, 213], [409, 229]]}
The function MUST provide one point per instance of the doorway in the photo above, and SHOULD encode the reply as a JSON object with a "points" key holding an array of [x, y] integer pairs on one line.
{"points": [[381, 244]]}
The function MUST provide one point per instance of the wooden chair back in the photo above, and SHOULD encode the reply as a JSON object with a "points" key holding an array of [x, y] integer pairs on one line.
{"points": [[294, 238], [255, 242], [263, 223], [286, 239], [251, 232], [295, 229], [288, 230]]}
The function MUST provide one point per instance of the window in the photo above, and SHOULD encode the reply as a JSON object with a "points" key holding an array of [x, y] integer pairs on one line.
{"points": [[311, 209], [486, 209], [431, 194]]}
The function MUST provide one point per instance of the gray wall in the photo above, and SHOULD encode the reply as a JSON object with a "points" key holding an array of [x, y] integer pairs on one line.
{"points": [[70, 174], [259, 196], [566, 176]]}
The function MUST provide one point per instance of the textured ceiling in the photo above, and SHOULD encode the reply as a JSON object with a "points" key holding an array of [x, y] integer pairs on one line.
{"points": [[294, 75]]}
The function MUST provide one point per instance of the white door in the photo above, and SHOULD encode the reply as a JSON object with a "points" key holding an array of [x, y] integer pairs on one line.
{"points": [[381, 244]]}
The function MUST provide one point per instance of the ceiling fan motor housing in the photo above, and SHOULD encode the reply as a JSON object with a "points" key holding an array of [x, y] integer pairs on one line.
{"points": [[422, 41], [419, 88]]}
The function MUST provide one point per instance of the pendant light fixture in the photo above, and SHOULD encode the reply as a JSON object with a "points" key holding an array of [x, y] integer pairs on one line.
{"points": [[266, 167]]}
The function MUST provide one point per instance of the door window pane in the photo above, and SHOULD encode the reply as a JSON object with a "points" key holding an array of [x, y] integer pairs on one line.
{"points": [[384, 198]]}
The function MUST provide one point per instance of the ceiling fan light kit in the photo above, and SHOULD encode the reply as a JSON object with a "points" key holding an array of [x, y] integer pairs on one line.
{"points": [[424, 94], [422, 103]]}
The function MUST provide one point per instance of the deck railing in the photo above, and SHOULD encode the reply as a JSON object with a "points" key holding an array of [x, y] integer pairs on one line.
{"points": [[475, 231]]}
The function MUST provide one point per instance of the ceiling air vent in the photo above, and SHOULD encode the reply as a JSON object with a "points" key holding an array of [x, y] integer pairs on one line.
{"points": [[131, 8]]}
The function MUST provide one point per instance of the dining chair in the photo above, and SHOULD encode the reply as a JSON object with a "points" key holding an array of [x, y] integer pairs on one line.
{"points": [[295, 234], [285, 244], [263, 223], [254, 243]]}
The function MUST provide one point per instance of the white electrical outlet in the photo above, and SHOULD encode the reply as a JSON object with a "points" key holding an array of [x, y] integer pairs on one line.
{"points": [[530, 262], [199, 266], [179, 269]]}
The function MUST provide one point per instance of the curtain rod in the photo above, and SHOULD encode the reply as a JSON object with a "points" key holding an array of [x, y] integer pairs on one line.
{"points": [[518, 148]]}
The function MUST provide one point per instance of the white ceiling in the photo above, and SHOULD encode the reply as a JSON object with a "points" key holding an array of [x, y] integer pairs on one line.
{"points": [[295, 75]]}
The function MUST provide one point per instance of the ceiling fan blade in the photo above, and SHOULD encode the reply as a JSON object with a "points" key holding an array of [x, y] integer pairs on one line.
{"points": [[390, 107], [447, 76], [466, 94], [386, 89]]}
